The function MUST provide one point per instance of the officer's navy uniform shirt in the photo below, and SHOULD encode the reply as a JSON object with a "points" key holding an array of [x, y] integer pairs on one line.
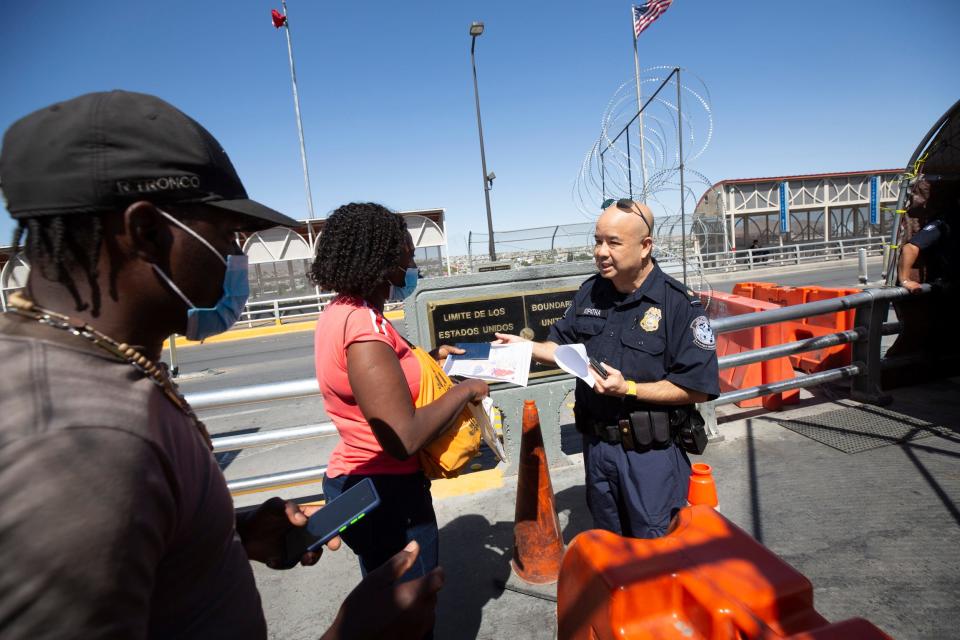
{"points": [[658, 332], [938, 247]]}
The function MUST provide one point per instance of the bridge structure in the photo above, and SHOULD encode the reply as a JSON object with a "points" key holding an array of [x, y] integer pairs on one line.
{"points": [[280, 258], [731, 214]]}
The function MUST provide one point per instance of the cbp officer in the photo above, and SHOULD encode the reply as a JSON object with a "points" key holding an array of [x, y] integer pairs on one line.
{"points": [[653, 338]]}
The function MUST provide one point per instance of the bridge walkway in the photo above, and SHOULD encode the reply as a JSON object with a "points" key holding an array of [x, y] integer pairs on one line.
{"points": [[878, 532]]}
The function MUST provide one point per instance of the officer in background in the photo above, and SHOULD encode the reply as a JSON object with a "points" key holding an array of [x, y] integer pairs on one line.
{"points": [[931, 250], [653, 338], [929, 254]]}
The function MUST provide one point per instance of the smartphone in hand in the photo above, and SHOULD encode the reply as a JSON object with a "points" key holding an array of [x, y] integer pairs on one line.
{"points": [[599, 368], [333, 519]]}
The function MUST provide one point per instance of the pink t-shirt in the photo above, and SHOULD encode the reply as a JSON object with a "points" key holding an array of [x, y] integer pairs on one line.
{"points": [[344, 321]]}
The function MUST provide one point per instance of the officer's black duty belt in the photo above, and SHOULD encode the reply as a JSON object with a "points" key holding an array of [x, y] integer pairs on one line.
{"points": [[640, 430]]}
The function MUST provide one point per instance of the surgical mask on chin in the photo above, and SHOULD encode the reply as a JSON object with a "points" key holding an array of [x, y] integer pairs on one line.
{"points": [[410, 278], [203, 322]]}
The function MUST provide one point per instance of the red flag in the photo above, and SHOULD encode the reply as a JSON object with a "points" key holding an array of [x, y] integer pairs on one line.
{"points": [[279, 20]]}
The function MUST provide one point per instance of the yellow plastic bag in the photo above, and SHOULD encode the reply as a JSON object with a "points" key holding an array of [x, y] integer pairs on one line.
{"points": [[453, 449]]}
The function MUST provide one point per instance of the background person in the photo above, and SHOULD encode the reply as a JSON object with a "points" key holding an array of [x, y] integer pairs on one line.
{"points": [[930, 253], [652, 336], [370, 380], [116, 520]]}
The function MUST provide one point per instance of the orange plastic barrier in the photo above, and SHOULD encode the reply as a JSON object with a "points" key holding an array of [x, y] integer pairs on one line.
{"points": [[821, 325], [746, 288], [706, 580], [767, 292], [726, 304]]}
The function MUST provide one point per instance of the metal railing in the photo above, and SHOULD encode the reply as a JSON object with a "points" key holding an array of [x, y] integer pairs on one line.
{"points": [[789, 254], [308, 305], [280, 309], [871, 305]]}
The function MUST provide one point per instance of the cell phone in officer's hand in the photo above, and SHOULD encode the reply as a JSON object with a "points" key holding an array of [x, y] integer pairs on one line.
{"points": [[599, 368], [343, 511]]}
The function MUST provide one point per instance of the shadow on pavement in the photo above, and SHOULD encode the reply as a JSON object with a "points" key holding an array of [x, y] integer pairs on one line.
{"points": [[473, 577], [478, 575]]}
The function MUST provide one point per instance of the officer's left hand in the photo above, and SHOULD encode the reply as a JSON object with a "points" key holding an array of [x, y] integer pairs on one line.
{"points": [[613, 385]]}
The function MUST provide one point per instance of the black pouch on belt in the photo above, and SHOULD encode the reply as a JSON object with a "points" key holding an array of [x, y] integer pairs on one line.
{"points": [[691, 429], [650, 428]]}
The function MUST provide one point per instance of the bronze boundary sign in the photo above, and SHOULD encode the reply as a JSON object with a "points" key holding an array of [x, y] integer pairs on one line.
{"points": [[477, 318]]}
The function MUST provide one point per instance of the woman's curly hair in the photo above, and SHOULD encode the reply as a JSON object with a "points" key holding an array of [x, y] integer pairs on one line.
{"points": [[360, 241]]}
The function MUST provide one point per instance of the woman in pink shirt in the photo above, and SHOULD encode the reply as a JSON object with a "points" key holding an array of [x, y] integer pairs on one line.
{"points": [[370, 380]]}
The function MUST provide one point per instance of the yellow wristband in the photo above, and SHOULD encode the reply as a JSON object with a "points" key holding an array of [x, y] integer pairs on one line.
{"points": [[631, 388]]}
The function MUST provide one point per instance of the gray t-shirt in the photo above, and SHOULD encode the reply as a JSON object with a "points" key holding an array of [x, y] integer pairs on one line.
{"points": [[115, 520]]}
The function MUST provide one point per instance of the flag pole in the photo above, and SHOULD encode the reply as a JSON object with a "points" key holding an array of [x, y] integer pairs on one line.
{"points": [[636, 69], [296, 107]]}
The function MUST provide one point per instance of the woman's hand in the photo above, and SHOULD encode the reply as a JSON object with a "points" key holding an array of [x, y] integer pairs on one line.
{"points": [[440, 353], [507, 338], [613, 385], [479, 389]]}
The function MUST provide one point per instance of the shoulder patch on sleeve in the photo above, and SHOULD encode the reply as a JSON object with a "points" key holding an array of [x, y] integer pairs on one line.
{"points": [[703, 334]]}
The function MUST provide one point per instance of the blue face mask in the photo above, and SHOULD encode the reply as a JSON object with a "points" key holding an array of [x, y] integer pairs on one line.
{"points": [[410, 279], [203, 322]]}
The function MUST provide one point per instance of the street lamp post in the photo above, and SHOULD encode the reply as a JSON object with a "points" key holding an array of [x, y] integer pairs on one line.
{"points": [[475, 30]]}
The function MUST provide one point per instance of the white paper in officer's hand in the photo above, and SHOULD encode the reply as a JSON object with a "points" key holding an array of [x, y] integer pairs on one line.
{"points": [[572, 358]]}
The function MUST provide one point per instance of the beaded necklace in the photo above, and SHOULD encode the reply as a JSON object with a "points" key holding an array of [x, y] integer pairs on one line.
{"points": [[157, 374]]}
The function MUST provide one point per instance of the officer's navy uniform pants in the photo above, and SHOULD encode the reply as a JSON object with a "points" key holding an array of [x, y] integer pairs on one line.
{"points": [[634, 494]]}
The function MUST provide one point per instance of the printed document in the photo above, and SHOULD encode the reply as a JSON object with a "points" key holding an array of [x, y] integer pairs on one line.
{"points": [[506, 363]]}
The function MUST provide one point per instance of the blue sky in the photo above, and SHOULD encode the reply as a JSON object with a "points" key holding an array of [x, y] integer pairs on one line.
{"points": [[387, 95]]}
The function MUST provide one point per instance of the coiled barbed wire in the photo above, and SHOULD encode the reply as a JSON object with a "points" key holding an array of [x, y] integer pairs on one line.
{"points": [[615, 169]]}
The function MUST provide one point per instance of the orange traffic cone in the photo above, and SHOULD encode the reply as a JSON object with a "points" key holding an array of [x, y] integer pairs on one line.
{"points": [[538, 547], [702, 488]]}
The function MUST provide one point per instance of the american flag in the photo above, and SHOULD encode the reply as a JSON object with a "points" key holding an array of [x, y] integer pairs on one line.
{"points": [[646, 13]]}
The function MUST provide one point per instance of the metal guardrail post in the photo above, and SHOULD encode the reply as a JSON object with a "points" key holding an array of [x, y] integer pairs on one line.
{"points": [[276, 312], [862, 265], [866, 387], [796, 248], [174, 365], [750, 258], [841, 249]]}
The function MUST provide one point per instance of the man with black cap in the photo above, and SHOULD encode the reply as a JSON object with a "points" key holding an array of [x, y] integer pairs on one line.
{"points": [[115, 520]]}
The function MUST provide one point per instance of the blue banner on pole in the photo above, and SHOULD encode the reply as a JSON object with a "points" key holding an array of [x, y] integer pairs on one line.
{"points": [[874, 206], [784, 191]]}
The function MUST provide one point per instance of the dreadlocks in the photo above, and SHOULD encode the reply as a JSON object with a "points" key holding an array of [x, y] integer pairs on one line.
{"points": [[58, 245]]}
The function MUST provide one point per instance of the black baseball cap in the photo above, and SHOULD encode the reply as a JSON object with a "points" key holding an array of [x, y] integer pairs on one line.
{"points": [[103, 151]]}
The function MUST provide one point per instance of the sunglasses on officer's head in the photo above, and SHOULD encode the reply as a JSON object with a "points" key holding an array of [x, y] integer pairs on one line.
{"points": [[626, 204], [622, 203]]}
